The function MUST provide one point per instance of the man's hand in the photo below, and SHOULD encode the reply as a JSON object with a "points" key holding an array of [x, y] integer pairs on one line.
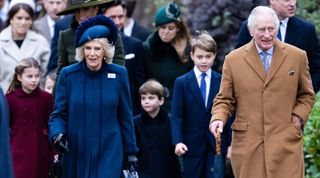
{"points": [[215, 127], [180, 149], [297, 121], [229, 152]]}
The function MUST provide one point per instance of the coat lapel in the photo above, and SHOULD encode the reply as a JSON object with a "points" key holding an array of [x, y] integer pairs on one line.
{"points": [[214, 88], [292, 30], [278, 57], [253, 59], [194, 87]]}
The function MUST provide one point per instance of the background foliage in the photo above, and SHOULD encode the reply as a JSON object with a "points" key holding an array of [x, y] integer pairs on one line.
{"points": [[310, 10]]}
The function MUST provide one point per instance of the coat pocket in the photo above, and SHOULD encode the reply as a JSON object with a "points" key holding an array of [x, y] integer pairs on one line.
{"points": [[239, 126]]}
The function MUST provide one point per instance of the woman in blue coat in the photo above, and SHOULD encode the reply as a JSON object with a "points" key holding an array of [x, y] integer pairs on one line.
{"points": [[92, 120]]}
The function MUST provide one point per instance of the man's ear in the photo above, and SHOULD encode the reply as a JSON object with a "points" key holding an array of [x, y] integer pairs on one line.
{"points": [[161, 101]]}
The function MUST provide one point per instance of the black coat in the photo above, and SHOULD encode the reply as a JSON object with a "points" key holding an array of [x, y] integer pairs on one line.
{"points": [[156, 153], [135, 64]]}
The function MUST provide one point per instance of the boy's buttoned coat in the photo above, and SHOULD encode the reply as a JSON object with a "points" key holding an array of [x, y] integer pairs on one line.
{"points": [[34, 45], [93, 109], [190, 119], [265, 142]]}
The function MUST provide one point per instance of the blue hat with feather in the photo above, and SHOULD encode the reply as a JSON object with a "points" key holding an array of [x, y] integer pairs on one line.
{"points": [[98, 26]]}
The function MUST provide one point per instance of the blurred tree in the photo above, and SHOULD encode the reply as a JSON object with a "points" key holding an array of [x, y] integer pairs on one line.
{"points": [[222, 20]]}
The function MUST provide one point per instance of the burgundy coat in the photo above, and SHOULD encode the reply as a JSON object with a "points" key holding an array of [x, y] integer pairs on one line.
{"points": [[29, 114]]}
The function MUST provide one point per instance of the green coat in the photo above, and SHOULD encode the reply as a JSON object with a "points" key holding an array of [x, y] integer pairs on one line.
{"points": [[67, 50], [164, 65]]}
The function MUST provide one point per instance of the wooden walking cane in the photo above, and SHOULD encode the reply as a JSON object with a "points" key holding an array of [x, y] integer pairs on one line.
{"points": [[218, 162]]}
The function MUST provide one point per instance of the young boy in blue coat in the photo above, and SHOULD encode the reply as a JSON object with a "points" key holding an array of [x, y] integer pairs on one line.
{"points": [[156, 152], [193, 96]]}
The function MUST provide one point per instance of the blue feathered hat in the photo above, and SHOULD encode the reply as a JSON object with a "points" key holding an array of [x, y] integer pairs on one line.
{"points": [[98, 26]]}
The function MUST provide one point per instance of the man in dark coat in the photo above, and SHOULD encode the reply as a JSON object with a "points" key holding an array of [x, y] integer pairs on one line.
{"points": [[5, 155], [132, 27], [134, 53], [295, 31]]}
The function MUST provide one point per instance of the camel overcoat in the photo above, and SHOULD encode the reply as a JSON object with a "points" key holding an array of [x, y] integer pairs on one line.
{"points": [[265, 143]]}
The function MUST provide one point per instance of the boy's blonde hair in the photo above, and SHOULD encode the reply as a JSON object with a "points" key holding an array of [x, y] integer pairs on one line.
{"points": [[205, 42], [152, 87]]}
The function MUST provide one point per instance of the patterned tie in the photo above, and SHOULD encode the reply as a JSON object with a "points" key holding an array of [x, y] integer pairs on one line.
{"points": [[203, 86], [265, 61], [279, 32]]}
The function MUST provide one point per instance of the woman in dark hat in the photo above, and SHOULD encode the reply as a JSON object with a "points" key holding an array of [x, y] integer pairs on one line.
{"points": [[167, 49], [82, 10], [92, 113]]}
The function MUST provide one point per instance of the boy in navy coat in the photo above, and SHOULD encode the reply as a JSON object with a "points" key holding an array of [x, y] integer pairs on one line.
{"points": [[156, 152], [193, 96]]}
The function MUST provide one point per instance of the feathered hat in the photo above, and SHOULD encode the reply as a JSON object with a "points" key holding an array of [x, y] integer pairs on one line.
{"points": [[167, 14]]}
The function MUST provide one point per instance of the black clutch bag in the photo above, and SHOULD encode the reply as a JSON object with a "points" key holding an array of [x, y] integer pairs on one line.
{"points": [[56, 168]]}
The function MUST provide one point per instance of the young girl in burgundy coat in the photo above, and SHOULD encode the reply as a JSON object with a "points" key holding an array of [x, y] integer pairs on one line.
{"points": [[30, 108]]}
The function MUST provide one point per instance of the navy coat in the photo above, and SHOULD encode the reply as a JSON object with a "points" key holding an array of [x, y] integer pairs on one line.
{"points": [[190, 121], [135, 64], [93, 109], [5, 155], [301, 34], [156, 151]]}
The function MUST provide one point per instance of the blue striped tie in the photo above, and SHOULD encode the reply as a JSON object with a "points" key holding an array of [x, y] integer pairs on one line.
{"points": [[265, 61]]}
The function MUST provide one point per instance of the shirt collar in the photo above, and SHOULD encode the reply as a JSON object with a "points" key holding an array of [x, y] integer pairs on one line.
{"points": [[269, 51], [284, 22], [198, 73]]}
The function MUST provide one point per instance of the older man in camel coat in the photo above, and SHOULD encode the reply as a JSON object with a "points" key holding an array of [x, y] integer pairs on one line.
{"points": [[267, 83]]}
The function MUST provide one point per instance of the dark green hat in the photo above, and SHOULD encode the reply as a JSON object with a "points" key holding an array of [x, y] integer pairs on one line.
{"points": [[167, 14], [77, 4]]}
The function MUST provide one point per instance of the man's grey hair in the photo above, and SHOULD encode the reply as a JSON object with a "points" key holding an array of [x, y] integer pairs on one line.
{"points": [[262, 10]]}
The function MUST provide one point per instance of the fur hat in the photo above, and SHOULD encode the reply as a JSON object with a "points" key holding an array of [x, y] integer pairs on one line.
{"points": [[77, 4], [28, 2], [98, 26], [167, 14]]}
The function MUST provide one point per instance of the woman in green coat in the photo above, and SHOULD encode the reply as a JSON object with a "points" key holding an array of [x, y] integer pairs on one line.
{"points": [[168, 50]]}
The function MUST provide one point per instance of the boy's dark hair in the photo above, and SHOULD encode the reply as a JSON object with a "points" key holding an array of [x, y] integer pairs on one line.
{"points": [[153, 87], [205, 42]]}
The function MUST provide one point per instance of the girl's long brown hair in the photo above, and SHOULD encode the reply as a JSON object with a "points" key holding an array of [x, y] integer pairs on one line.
{"points": [[24, 63]]}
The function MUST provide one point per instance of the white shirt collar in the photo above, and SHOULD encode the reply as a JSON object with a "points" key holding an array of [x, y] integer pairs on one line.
{"points": [[198, 73], [269, 51], [284, 22], [51, 23], [127, 30]]}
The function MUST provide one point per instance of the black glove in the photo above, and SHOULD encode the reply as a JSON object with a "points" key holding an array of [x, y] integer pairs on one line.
{"points": [[60, 143], [132, 162]]}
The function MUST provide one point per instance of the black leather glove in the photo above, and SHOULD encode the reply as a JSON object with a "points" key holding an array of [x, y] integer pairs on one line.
{"points": [[60, 143], [132, 162]]}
